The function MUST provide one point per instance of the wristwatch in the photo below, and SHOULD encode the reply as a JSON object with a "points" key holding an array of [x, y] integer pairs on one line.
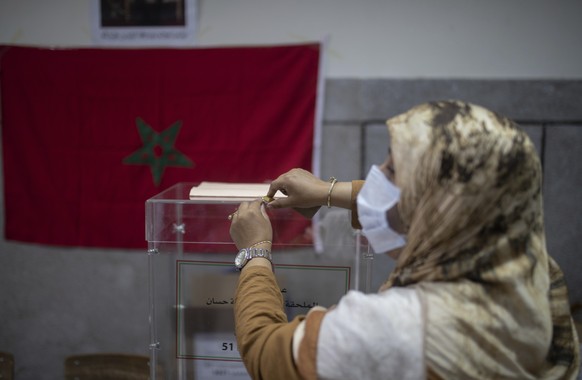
{"points": [[246, 254]]}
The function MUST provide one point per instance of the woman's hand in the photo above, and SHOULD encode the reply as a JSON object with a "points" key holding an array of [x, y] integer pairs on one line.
{"points": [[303, 190], [250, 224]]}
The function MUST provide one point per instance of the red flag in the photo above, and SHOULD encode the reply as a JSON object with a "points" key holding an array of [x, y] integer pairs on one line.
{"points": [[90, 134]]}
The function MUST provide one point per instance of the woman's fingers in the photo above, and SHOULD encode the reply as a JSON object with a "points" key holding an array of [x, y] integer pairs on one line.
{"points": [[251, 212], [277, 185], [251, 224], [303, 190]]}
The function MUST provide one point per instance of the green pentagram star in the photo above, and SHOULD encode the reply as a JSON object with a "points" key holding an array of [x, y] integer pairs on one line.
{"points": [[158, 150]]}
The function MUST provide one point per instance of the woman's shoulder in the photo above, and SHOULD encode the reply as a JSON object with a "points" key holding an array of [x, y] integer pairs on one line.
{"points": [[356, 305], [385, 335]]}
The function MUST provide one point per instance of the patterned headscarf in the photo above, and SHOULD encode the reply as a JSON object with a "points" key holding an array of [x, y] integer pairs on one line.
{"points": [[472, 202]]}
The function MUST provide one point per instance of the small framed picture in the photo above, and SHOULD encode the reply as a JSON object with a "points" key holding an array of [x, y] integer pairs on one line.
{"points": [[144, 22]]}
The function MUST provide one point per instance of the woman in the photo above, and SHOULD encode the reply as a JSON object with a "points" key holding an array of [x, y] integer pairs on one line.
{"points": [[474, 294]]}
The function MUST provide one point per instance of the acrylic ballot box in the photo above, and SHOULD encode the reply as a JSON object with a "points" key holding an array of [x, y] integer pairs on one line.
{"points": [[192, 278]]}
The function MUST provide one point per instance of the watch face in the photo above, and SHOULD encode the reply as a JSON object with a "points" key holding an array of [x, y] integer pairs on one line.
{"points": [[239, 260]]}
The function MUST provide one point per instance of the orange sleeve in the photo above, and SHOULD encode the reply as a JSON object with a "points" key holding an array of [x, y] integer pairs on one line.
{"points": [[263, 334], [356, 187], [307, 361]]}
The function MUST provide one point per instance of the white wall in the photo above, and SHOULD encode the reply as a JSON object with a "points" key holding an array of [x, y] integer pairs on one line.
{"points": [[367, 38]]}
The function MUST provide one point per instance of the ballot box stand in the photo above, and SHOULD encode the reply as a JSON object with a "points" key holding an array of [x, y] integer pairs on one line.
{"points": [[192, 278]]}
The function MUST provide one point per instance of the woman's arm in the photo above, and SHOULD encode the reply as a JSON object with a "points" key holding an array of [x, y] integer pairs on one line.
{"points": [[304, 190], [263, 335], [355, 189]]}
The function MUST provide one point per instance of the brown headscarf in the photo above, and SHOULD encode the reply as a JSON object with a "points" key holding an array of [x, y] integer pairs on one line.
{"points": [[472, 200]]}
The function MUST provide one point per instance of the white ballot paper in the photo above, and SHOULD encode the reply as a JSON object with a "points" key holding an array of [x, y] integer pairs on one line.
{"points": [[224, 191]]}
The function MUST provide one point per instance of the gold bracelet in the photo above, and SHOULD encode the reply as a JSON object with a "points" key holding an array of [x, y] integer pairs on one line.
{"points": [[261, 242], [333, 181]]}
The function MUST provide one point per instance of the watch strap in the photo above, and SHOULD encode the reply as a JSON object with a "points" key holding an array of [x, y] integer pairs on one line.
{"points": [[259, 252], [251, 253]]}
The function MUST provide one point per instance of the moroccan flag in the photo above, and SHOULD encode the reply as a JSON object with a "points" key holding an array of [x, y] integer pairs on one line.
{"points": [[90, 134]]}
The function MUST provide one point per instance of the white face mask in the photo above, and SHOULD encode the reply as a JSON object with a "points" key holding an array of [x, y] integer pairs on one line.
{"points": [[377, 196]]}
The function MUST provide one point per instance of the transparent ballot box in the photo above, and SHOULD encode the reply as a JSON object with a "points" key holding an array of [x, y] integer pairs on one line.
{"points": [[192, 277]]}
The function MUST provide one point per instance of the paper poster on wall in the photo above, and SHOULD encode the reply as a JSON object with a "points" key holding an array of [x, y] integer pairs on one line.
{"points": [[143, 22]]}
